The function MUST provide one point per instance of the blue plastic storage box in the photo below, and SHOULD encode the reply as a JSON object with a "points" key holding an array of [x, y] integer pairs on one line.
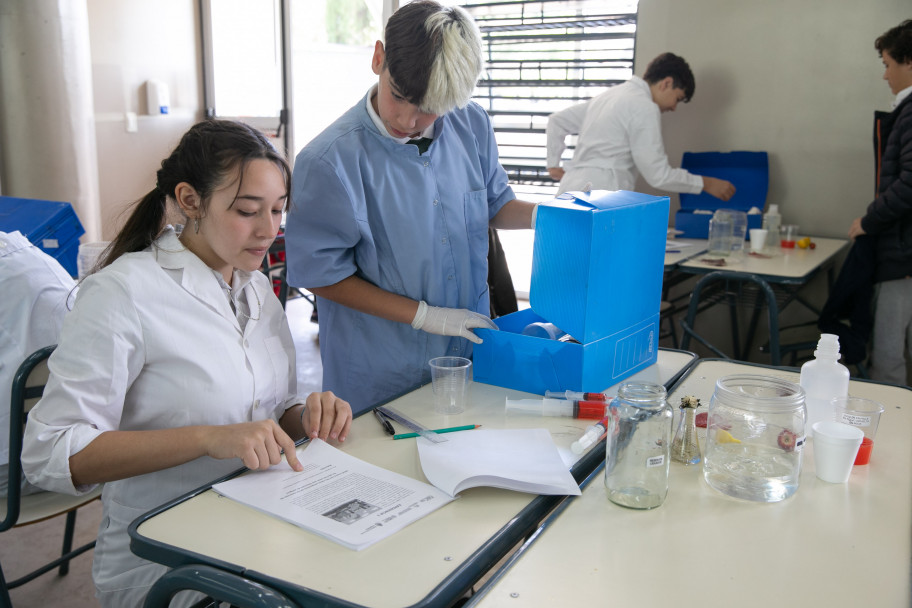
{"points": [[597, 267], [748, 171], [52, 226]]}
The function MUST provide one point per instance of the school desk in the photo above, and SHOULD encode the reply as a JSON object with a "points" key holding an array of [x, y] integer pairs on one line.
{"points": [[432, 562], [835, 545], [771, 282], [679, 250]]}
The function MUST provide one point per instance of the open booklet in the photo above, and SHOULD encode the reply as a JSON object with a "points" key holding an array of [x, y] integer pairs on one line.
{"points": [[356, 504], [525, 460]]}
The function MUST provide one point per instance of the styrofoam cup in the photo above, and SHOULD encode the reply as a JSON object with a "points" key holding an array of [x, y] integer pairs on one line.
{"points": [[835, 447], [758, 238]]}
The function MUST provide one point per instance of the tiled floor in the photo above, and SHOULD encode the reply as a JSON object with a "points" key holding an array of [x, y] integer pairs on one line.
{"points": [[23, 549]]}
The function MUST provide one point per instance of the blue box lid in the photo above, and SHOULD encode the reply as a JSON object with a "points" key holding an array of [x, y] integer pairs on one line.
{"points": [[748, 171], [598, 261]]}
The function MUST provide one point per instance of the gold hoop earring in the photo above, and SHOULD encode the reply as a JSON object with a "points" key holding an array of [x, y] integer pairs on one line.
{"points": [[196, 225]]}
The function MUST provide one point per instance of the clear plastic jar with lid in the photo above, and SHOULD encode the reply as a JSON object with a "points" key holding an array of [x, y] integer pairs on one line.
{"points": [[637, 454], [755, 432]]}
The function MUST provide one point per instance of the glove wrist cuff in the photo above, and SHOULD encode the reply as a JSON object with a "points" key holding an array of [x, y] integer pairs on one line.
{"points": [[420, 315]]}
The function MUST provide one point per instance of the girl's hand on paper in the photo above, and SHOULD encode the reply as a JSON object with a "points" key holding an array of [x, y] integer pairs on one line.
{"points": [[326, 416], [259, 444]]}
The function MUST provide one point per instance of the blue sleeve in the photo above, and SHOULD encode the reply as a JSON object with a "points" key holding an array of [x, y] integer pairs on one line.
{"points": [[320, 229], [497, 183]]}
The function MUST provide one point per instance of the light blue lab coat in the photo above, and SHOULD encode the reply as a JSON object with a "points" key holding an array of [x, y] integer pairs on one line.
{"points": [[416, 225]]}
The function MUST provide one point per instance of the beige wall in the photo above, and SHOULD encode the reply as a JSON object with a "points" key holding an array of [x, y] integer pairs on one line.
{"points": [[133, 41], [47, 130], [800, 80]]}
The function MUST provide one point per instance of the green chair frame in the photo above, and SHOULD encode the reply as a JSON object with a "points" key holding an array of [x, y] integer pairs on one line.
{"points": [[24, 510]]}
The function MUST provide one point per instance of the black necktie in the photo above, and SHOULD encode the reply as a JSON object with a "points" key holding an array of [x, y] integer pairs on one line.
{"points": [[422, 143]]}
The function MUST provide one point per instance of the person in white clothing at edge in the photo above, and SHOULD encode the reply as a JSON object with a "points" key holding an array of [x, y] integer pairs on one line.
{"points": [[37, 293], [620, 132], [176, 365]]}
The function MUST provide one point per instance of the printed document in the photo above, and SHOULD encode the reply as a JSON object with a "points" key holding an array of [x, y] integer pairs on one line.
{"points": [[337, 496]]}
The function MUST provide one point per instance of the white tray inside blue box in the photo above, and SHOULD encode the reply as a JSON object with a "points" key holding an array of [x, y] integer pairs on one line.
{"points": [[597, 267]]}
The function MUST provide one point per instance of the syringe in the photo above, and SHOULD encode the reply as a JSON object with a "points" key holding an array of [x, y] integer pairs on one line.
{"points": [[593, 410], [577, 396], [590, 436]]}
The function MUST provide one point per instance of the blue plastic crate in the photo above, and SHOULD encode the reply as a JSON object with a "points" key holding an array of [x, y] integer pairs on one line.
{"points": [[52, 226], [748, 171], [597, 268]]}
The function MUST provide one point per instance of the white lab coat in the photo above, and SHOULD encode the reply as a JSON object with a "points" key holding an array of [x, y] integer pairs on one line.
{"points": [[152, 343], [620, 132], [37, 292]]}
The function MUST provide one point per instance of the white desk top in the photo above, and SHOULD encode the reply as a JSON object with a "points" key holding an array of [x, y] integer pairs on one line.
{"points": [[401, 570], [679, 250], [784, 265], [834, 545]]}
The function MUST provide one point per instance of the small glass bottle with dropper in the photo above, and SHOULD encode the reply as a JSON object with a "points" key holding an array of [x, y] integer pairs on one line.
{"points": [[685, 447]]}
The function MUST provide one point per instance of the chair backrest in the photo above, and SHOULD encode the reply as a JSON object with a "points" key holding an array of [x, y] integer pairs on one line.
{"points": [[28, 385]]}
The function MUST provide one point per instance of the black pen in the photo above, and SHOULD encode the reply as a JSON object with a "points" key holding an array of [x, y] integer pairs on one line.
{"points": [[387, 426]]}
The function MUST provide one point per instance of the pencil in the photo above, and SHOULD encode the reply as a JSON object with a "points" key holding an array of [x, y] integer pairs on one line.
{"points": [[467, 427]]}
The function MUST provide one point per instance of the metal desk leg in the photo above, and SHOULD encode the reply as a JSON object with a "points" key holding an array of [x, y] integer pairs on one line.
{"points": [[687, 325], [221, 585]]}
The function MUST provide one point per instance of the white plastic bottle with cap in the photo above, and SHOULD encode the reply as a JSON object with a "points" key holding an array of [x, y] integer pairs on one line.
{"points": [[771, 222], [822, 379]]}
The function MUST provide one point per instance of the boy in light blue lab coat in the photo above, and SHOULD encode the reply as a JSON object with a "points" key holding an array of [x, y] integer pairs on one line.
{"points": [[392, 205]]}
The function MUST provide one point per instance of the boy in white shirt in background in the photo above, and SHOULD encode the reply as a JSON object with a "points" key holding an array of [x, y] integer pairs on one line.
{"points": [[620, 133]]}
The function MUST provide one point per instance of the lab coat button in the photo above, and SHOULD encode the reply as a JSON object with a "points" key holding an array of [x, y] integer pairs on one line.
{"points": [[436, 202], [256, 404], [246, 343], [443, 240], [426, 163]]}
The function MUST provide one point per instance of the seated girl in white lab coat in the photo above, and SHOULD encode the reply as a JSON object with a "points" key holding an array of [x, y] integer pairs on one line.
{"points": [[176, 365]]}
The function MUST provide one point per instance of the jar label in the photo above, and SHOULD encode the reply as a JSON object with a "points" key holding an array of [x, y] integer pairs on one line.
{"points": [[856, 419], [655, 461]]}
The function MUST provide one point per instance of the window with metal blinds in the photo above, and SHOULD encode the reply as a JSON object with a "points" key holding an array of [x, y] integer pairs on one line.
{"points": [[542, 56]]}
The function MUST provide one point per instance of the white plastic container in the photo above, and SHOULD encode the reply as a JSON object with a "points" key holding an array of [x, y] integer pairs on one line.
{"points": [[823, 379], [771, 222], [87, 256]]}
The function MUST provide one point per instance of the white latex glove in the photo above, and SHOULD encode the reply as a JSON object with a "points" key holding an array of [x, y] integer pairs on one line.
{"points": [[450, 321]]}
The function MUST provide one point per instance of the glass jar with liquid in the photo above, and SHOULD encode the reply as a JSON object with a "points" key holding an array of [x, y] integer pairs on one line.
{"points": [[727, 230], [637, 451], [755, 432]]}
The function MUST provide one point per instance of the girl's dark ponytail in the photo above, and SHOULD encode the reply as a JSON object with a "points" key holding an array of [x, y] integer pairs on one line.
{"points": [[142, 227]]}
